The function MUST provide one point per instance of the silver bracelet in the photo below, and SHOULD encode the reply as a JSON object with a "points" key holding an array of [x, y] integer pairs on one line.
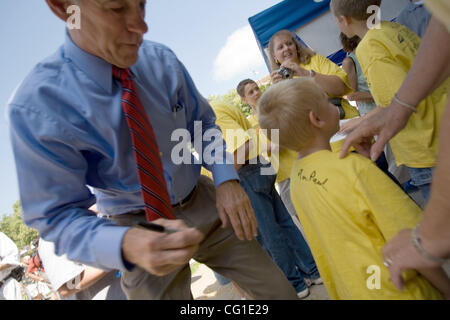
{"points": [[416, 242], [406, 105]]}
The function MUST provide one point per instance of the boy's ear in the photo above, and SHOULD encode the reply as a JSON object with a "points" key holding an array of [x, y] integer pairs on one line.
{"points": [[244, 99], [59, 8], [315, 120], [346, 20]]}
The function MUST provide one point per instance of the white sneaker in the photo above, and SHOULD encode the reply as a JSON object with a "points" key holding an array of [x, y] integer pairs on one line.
{"points": [[303, 294], [310, 282]]}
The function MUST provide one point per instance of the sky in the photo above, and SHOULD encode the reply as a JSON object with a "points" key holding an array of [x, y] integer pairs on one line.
{"points": [[211, 37]]}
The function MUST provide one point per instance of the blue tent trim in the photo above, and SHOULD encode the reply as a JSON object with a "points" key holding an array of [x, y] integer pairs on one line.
{"points": [[338, 56], [290, 15]]}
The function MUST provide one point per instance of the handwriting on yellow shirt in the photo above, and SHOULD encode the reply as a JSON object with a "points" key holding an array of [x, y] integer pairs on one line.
{"points": [[312, 178]]}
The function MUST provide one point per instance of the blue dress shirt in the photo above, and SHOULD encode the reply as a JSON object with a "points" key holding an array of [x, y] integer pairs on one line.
{"points": [[68, 132], [415, 16]]}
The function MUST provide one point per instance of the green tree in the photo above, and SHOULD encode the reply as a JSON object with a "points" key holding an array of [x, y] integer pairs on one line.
{"points": [[232, 98], [13, 226]]}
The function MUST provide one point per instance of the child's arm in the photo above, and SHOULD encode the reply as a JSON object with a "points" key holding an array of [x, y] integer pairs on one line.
{"points": [[349, 67], [360, 96], [438, 278]]}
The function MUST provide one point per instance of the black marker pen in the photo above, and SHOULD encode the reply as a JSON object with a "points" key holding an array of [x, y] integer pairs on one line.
{"points": [[156, 227]]}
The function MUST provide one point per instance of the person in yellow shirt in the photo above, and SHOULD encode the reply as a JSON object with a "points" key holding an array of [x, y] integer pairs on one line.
{"points": [[286, 52], [433, 245], [386, 52], [352, 207], [365, 103], [282, 160], [277, 233]]}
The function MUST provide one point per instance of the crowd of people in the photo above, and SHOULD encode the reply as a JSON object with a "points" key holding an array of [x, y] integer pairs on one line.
{"points": [[348, 234], [25, 277], [99, 114]]}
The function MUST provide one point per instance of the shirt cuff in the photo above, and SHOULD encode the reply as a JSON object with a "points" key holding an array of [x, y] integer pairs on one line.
{"points": [[222, 173], [108, 248]]}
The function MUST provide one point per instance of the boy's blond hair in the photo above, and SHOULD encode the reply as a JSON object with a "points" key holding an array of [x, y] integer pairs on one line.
{"points": [[356, 9], [286, 106]]}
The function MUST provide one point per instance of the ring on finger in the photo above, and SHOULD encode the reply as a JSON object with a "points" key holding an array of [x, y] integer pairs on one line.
{"points": [[387, 262]]}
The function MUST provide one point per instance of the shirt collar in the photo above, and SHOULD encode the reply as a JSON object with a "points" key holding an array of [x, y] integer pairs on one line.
{"points": [[96, 68], [417, 3]]}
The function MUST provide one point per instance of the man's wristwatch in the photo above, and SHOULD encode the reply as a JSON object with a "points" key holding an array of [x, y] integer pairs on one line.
{"points": [[312, 73]]}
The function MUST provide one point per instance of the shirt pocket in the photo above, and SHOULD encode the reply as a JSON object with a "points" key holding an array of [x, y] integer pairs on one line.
{"points": [[179, 115]]}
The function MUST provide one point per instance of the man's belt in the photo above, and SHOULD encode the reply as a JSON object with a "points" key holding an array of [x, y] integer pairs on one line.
{"points": [[183, 202], [139, 212], [179, 204]]}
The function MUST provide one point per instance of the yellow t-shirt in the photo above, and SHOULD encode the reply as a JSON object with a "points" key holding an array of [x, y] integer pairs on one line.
{"points": [[235, 128], [206, 172], [253, 120], [441, 10], [386, 55], [287, 158], [349, 209], [325, 66]]}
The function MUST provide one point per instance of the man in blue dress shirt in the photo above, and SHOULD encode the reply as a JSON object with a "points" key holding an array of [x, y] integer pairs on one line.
{"points": [[68, 132]]}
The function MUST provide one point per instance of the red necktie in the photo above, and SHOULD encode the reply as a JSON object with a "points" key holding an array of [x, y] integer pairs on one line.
{"points": [[146, 152]]}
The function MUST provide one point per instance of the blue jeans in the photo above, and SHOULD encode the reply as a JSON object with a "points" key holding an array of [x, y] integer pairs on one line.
{"points": [[277, 233], [421, 178], [221, 279]]}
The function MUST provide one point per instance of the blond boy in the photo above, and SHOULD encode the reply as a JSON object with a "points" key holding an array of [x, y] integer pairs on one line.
{"points": [[351, 208], [276, 230]]}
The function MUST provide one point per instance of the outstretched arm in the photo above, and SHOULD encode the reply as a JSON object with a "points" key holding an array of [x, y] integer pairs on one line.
{"points": [[4, 266], [435, 224], [87, 278]]}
